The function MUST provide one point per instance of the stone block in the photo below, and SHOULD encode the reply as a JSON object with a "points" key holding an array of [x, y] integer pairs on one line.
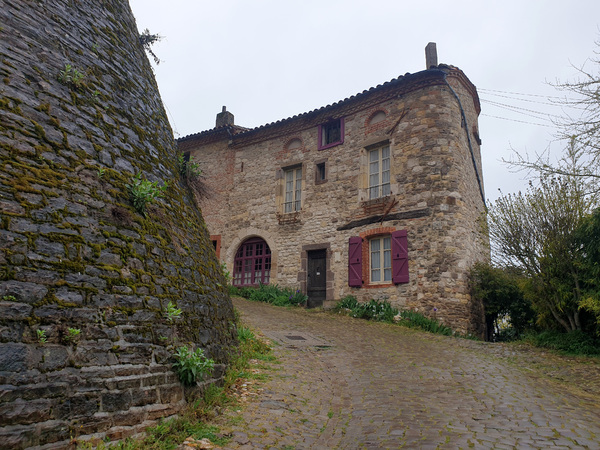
{"points": [[14, 311], [54, 357], [132, 417], [115, 401], [18, 357], [23, 412], [170, 393], [76, 406], [142, 397], [23, 291]]}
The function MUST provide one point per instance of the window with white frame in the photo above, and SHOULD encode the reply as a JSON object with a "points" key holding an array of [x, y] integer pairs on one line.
{"points": [[380, 255], [379, 172], [293, 190]]}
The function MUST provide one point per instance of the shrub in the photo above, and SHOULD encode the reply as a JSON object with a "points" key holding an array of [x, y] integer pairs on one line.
{"points": [[414, 319], [191, 366], [372, 310], [271, 293], [573, 343]]}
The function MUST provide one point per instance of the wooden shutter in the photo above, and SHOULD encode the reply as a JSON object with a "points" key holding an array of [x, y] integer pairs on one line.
{"points": [[355, 262], [399, 257]]}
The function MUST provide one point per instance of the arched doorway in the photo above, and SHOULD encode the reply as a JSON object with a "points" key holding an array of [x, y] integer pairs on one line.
{"points": [[252, 264]]}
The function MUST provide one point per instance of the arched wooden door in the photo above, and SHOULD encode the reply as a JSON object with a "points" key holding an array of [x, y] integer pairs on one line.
{"points": [[252, 264]]}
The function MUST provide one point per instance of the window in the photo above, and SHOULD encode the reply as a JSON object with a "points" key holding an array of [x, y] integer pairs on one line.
{"points": [[385, 254], [320, 173], [331, 134], [379, 172], [252, 265], [293, 190], [380, 256]]}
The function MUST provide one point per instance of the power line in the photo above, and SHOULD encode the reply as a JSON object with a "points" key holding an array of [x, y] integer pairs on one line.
{"points": [[520, 110], [516, 120]]}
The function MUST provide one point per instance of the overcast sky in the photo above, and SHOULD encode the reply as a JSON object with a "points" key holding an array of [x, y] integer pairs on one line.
{"points": [[267, 60]]}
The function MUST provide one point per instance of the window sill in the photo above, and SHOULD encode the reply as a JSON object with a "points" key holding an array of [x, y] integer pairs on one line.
{"points": [[333, 144], [285, 218]]}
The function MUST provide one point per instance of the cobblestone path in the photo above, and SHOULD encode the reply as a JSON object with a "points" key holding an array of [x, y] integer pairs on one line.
{"points": [[346, 383]]}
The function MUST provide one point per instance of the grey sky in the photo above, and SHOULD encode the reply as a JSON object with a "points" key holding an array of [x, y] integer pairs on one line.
{"points": [[271, 59]]}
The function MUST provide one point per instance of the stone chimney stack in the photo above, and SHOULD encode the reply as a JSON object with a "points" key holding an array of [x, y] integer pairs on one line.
{"points": [[431, 56], [224, 118]]}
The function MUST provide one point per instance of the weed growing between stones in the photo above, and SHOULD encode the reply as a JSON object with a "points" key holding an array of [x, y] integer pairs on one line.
{"points": [[172, 313], [143, 192], [192, 366], [42, 338], [147, 39], [71, 77], [71, 336]]}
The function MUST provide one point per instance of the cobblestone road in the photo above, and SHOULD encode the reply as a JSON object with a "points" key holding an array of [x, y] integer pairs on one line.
{"points": [[347, 383]]}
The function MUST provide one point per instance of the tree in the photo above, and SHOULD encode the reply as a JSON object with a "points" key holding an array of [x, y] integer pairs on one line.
{"points": [[498, 289], [587, 239], [534, 231], [581, 130]]}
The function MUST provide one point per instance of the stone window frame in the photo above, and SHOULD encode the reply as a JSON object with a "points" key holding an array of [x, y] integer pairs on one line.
{"points": [[338, 123], [383, 188], [293, 216], [364, 185], [295, 204], [321, 176]]}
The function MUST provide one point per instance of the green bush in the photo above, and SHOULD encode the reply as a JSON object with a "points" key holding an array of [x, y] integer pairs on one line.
{"points": [[271, 293], [384, 312], [573, 343], [372, 310], [414, 319]]}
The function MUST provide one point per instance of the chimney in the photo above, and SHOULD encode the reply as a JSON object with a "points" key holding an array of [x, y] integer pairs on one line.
{"points": [[224, 118], [431, 56]]}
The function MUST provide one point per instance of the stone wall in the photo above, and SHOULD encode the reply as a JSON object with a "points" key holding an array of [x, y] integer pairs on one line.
{"points": [[80, 115], [435, 194]]}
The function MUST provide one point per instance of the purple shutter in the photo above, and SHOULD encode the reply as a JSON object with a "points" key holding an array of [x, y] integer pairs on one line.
{"points": [[399, 257], [355, 262]]}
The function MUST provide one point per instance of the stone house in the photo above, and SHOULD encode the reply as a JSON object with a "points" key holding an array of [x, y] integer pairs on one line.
{"points": [[379, 195]]}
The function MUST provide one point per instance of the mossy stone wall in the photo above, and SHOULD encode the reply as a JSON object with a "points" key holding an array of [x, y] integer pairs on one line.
{"points": [[80, 115]]}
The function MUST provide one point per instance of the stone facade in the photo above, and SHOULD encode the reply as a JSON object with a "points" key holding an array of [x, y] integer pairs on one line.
{"points": [[80, 116], [429, 122]]}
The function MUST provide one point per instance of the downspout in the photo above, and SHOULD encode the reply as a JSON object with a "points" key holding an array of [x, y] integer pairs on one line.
{"points": [[464, 119]]}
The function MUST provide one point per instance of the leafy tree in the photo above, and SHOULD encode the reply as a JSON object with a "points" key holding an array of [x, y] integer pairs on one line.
{"points": [[498, 289], [534, 231], [587, 239]]}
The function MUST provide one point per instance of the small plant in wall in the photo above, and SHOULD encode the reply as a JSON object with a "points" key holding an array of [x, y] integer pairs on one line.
{"points": [[143, 192], [172, 313], [147, 39], [70, 76], [41, 335], [192, 366], [71, 336]]}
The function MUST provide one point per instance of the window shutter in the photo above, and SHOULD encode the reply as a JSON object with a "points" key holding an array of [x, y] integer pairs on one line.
{"points": [[399, 257], [355, 262]]}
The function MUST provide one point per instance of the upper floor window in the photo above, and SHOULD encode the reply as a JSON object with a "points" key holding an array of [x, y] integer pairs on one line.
{"points": [[320, 173], [331, 133], [293, 190], [379, 172]]}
